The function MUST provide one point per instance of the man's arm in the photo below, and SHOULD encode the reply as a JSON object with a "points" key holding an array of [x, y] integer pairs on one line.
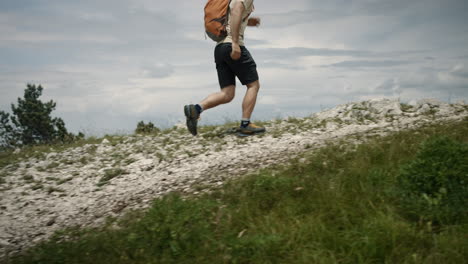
{"points": [[236, 20]]}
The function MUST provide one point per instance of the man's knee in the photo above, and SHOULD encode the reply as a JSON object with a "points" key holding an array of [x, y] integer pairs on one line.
{"points": [[229, 93], [228, 97], [254, 85]]}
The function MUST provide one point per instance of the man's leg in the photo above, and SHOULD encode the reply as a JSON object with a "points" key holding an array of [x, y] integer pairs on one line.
{"points": [[192, 112], [250, 99], [248, 105], [223, 97]]}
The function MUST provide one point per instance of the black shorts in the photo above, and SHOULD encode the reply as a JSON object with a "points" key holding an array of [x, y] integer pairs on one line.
{"points": [[244, 68]]}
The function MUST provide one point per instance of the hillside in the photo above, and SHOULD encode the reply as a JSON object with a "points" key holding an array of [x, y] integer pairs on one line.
{"points": [[47, 190]]}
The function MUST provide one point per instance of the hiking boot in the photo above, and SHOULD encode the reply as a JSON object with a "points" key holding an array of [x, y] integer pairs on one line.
{"points": [[251, 129], [192, 115]]}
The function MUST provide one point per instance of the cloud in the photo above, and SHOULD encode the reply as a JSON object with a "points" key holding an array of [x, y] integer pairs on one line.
{"points": [[268, 100], [295, 17], [368, 64], [389, 87], [298, 52], [460, 71], [74, 20], [159, 70], [38, 37], [453, 81], [98, 17], [280, 65]]}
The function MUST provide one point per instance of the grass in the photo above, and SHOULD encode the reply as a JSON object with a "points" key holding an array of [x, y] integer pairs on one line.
{"points": [[52, 189], [334, 205], [109, 174], [28, 178], [62, 181], [52, 165], [40, 151], [405, 107]]}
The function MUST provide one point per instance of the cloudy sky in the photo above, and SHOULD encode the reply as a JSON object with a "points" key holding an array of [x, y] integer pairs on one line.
{"points": [[111, 63]]}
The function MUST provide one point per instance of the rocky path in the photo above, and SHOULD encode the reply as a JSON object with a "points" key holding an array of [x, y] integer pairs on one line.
{"points": [[84, 185]]}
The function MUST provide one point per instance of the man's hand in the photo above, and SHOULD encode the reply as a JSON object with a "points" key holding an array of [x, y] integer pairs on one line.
{"points": [[253, 22], [236, 51]]}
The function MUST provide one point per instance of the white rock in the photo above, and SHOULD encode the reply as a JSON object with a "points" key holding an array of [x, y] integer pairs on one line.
{"points": [[433, 102], [386, 107], [51, 155], [424, 109], [4, 243], [413, 103], [331, 126], [105, 141], [181, 125]]}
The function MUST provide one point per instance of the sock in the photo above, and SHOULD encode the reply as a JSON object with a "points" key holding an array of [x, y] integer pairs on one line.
{"points": [[199, 108], [245, 122]]}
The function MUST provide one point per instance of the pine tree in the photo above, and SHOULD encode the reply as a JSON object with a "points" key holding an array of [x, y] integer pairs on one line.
{"points": [[7, 132], [32, 122]]}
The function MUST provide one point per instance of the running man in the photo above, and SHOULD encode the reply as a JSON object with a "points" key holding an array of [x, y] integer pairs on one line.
{"points": [[232, 60]]}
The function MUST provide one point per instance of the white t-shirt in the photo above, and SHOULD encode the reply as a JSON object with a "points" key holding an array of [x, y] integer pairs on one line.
{"points": [[248, 8]]}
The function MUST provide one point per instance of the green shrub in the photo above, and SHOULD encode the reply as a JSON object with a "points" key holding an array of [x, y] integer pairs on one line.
{"points": [[434, 186], [149, 128]]}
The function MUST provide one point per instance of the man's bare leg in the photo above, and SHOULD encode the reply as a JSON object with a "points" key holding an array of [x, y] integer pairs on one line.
{"points": [[192, 112], [248, 105], [223, 97], [250, 99]]}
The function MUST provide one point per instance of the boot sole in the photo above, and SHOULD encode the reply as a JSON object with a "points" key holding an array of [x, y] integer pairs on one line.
{"points": [[192, 128], [240, 134]]}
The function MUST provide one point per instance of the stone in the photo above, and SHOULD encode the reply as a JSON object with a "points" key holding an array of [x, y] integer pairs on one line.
{"points": [[413, 103], [386, 107], [425, 108], [51, 221], [181, 125], [432, 102], [4, 243], [51, 155]]}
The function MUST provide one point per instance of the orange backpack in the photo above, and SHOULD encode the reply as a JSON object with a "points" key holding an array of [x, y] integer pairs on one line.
{"points": [[216, 19]]}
